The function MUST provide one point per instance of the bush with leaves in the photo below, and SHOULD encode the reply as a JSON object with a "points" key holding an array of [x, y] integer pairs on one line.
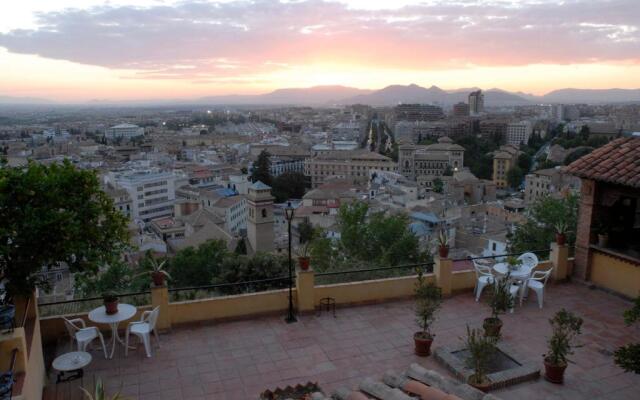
{"points": [[565, 328], [428, 301], [481, 349], [627, 357]]}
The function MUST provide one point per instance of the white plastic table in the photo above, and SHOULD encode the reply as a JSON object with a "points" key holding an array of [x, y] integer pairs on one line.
{"points": [[100, 316], [71, 362], [521, 273]]}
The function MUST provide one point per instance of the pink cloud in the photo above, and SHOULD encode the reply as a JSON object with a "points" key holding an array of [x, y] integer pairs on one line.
{"points": [[201, 41]]}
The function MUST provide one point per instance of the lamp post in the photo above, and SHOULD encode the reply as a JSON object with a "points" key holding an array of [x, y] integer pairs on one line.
{"points": [[288, 212]]}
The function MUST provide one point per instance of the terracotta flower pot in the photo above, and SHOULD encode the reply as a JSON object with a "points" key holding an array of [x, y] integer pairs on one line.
{"points": [[443, 251], [157, 278], [492, 327], [111, 307], [561, 239], [554, 373], [483, 386], [422, 344], [304, 262], [603, 240]]}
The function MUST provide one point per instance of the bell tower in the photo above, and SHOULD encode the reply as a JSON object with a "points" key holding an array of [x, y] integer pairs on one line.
{"points": [[260, 221]]}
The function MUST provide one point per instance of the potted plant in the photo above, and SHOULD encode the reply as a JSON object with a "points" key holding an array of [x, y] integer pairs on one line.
{"points": [[500, 301], [428, 301], [561, 233], [303, 256], [443, 244], [99, 394], [565, 328], [110, 302], [603, 234], [513, 263], [481, 348], [156, 270]]}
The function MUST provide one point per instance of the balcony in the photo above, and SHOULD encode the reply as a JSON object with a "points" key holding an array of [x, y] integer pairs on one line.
{"points": [[235, 347]]}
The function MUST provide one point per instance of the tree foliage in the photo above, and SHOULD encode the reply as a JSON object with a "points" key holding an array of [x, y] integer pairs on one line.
{"points": [[289, 185], [53, 214], [259, 267], [197, 266], [438, 185], [627, 357], [477, 155], [515, 176], [524, 162], [539, 229], [261, 169]]}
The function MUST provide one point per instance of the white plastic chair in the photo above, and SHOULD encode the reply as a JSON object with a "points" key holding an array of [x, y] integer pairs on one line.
{"points": [[82, 334], [142, 329], [484, 277], [537, 282], [529, 261]]}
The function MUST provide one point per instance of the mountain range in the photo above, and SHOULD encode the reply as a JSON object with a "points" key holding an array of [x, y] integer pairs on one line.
{"points": [[388, 96]]}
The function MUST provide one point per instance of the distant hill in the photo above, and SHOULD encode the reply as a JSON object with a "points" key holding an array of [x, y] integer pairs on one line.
{"points": [[317, 95], [395, 94], [592, 96], [24, 100]]}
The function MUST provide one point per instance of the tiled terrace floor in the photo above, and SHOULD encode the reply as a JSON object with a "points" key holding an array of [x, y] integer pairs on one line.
{"points": [[238, 360]]}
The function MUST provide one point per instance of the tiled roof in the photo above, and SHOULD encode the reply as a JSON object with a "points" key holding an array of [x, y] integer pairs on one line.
{"points": [[617, 162]]}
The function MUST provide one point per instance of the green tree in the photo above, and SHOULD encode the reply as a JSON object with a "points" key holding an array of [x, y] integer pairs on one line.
{"points": [[438, 185], [117, 278], [515, 177], [305, 231], [539, 229], [289, 185], [261, 169], [573, 156], [241, 247], [197, 266], [627, 357], [259, 267], [524, 162], [53, 214]]}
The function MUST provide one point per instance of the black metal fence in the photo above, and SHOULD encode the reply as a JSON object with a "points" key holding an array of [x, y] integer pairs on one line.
{"points": [[365, 274], [539, 253], [226, 289], [79, 306]]}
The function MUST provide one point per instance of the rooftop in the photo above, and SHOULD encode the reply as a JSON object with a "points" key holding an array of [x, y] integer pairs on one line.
{"points": [[617, 162], [238, 360]]}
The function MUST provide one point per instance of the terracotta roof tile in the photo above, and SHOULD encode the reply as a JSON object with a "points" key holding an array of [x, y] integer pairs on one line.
{"points": [[616, 162]]}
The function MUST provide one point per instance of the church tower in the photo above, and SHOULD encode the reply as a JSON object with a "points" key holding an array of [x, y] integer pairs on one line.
{"points": [[260, 222]]}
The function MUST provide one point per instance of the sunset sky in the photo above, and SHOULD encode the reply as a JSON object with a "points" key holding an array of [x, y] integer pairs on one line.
{"points": [[78, 50]]}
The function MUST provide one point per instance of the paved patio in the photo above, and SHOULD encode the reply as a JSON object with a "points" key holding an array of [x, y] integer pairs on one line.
{"points": [[238, 360]]}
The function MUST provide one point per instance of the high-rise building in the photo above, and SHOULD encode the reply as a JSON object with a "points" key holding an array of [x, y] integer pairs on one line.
{"points": [[476, 102], [518, 133], [417, 112], [152, 192], [461, 109]]}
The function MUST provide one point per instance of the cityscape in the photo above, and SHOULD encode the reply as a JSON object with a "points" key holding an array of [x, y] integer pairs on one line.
{"points": [[319, 200]]}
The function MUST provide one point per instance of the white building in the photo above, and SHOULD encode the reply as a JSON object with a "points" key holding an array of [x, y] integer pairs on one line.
{"points": [[519, 132], [125, 131], [152, 192]]}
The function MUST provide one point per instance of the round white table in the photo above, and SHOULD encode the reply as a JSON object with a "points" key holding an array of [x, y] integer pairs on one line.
{"points": [[521, 273], [71, 362], [100, 316]]}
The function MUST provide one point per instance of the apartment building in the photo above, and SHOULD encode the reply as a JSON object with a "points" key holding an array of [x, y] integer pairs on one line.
{"points": [[519, 133], [125, 131], [417, 112], [476, 102], [152, 192], [503, 160], [354, 165], [548, 182]]}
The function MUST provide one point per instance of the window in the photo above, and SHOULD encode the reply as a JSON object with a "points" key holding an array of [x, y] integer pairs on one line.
{"points": [[264, 213]]}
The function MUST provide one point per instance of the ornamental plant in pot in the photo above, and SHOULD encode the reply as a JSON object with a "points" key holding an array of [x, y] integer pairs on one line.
{"points": [[481, 348], [561, 233], [155, 269], [565, 328], [303, 256], [110, 302], [443, 244], [428, 301], [500, 301]]}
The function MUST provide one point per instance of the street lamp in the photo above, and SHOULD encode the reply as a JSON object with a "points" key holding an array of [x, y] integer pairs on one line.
{"points": [[288, 212]]}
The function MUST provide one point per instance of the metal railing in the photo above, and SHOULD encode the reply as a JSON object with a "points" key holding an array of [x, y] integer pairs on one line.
{"points": [[226, 289], [537, 252], [365, 274], [79, 306]]}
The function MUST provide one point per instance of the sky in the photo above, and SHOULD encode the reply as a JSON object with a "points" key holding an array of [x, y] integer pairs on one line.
{"points": [[80, 50]]}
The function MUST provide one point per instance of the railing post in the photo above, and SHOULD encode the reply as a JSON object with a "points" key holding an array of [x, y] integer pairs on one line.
{"points": [[160, 297], [559, 258], [442, 268], [305, 284]]}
